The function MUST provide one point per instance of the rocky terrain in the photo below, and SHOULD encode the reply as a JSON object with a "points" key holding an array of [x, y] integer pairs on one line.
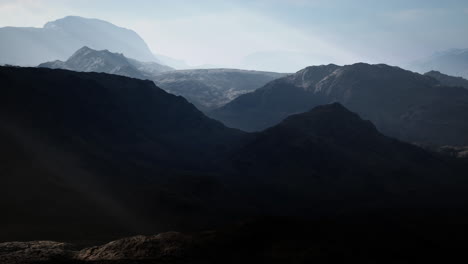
{"points": [[277, 240]]}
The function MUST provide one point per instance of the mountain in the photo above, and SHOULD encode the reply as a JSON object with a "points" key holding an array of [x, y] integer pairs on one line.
{"points": [[328, 159], [453, 62], [386, 202], [402, 104], [205, 88], [448, 80], [211, 88], [106, 155], [91, 157], [89, 60], [59, 39]]}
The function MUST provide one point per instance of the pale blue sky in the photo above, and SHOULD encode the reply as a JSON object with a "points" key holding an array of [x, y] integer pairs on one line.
{"points": [[259, 32]]}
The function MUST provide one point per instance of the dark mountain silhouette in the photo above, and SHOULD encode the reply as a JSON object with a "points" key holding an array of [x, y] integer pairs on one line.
{"points": [[59, 39], [378, 195], [329, 158], [84, 150], [89, 60], [401, 104], [212, 88], [448, 80], [453, 62], [90, 157]]}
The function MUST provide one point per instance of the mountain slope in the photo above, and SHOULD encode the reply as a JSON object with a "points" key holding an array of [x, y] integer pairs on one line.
{"points": [[107, 156], [453, 62], [133, 155], [328, 159], [400, 103], [59, 39], [448, 80], [89, 60], [365, 197], [211, 88]]}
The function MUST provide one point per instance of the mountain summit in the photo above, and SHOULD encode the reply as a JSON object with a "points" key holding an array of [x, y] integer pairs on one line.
{"points": [[88, 60]]}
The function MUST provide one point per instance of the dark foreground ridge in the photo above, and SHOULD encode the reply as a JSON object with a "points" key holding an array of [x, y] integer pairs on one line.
{"points": [[277, 240]]}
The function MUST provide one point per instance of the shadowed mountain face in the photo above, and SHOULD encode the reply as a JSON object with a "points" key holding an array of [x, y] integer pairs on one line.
{"points": [[59, 39], [453, 62], [448, 80], [400, 103], [211, 88], [109, 156], [103, 150], [329, 159], [89, 60], [380, 197]]}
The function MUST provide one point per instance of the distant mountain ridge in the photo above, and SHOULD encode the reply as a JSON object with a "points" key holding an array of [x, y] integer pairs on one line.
{"points": [[448, 80], [402, 104], [212, 88], [205, 88], [61, 38], [453, 62], [89, 60]]}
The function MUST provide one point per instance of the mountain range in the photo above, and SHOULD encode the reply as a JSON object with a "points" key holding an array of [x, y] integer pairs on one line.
{"points": [[110, 155], [401, 103], [205, 88], [141, 161]]}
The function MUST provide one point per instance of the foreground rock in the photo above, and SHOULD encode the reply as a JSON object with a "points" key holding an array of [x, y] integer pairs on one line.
{"points": [[358, 239], [34, 252], [171, 245]]}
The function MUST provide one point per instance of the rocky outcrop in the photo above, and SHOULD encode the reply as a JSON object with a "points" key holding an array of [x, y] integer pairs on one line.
{"points": [[35, 252], [170, 245]]}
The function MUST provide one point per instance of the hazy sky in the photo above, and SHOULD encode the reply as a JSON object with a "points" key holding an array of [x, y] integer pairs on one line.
{"points": [[270, 34]]}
